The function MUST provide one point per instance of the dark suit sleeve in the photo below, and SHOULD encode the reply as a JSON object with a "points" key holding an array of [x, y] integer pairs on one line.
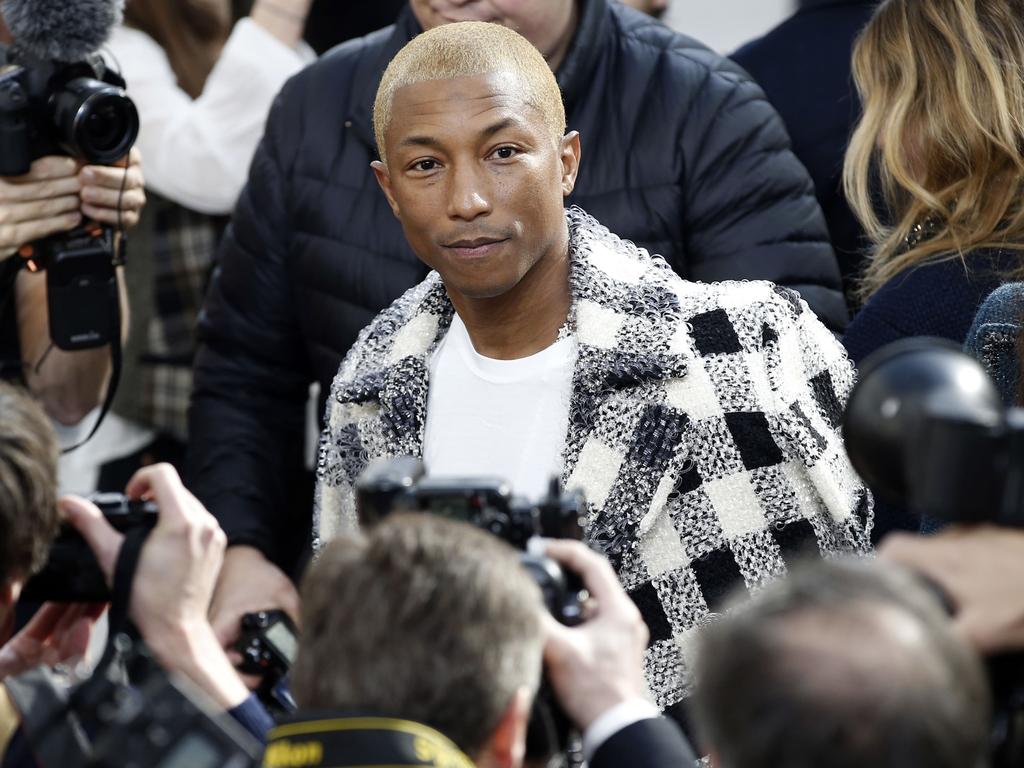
{"points": [[652, 743], [251, 371], [751, 208]]}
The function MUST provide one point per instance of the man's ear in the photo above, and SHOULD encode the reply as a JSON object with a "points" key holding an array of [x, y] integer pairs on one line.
{"points": [[570, 155], [507, 745], [384, 179]]}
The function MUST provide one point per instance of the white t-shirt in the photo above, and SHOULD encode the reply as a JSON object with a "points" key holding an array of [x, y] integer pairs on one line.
{"points": [[498, 418]]}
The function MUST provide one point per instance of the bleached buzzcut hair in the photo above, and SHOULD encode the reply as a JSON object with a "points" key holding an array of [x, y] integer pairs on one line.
{"points": [[467, 49]]}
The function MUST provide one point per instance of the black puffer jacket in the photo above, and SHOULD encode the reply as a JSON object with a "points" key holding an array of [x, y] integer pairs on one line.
{"points": [[681, 154]]}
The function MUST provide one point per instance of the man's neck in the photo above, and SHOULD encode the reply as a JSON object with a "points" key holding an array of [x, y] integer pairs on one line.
{"points": [[524, 321], [557, 55]]}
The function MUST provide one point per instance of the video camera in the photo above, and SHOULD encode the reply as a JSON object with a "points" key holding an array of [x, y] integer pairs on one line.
{"points": [[71, 573], [926, 429], [400, 484], [78, 109]]}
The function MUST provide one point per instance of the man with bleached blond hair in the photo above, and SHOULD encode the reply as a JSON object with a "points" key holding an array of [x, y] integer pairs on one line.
{"points": [[699, 420]]}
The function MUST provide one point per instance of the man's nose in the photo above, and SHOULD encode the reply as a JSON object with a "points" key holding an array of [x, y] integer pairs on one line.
{"points": [[469, 195]]}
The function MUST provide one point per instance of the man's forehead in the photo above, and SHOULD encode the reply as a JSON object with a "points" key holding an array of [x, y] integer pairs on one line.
{"points": [[488, 91]]}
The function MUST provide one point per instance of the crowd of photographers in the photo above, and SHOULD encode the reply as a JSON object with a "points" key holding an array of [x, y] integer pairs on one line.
{"points": [[185, 623]]}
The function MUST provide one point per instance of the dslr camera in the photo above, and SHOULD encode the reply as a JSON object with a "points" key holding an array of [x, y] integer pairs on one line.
{"points": [[393, 485], [77, 109], [400, 485], [71, 573]]}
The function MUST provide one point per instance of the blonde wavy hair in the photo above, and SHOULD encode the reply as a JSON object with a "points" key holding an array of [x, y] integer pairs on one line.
{"points": [[942, 133]]}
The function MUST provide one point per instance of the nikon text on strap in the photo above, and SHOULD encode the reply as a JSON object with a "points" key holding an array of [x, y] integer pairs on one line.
{"points": [[327, 741]]}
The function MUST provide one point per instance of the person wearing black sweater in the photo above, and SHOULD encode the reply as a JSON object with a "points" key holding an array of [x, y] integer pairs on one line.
{"points": [[942, 138]]}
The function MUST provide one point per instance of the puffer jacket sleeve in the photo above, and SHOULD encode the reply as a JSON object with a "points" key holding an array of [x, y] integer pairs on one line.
{"points": [[251, 373], [751, 208]]}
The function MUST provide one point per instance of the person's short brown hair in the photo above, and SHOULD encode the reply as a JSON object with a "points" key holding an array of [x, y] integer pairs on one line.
{"points": [[842, 664], [422, 619], [28, 484]]}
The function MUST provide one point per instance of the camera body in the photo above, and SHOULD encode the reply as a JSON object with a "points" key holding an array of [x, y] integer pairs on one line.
{"points": [[76, 109], [269, 642], [80, 110], [400, 484], [71, 573]]}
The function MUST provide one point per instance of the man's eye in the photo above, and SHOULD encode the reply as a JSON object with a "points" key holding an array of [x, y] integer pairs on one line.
{"points": [[505, 153], [424, 165]]}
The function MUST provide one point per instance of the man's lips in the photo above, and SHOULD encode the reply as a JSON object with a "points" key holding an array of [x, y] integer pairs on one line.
{"points": [[475, 248]]}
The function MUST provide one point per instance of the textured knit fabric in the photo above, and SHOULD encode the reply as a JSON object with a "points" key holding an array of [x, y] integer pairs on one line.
{"points": [[804, 66], [992, 339], [702, 431], [935, 299], [681, 154]]}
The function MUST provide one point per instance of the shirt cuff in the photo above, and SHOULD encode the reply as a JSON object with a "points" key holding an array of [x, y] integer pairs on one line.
{"points": [[253, 716], [610, 722]]}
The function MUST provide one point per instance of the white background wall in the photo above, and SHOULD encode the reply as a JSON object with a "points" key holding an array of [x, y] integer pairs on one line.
{"points": [[726, 24]]}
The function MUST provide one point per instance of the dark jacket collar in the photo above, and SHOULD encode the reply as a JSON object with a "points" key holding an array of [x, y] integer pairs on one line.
{"points": [[573, 75]]}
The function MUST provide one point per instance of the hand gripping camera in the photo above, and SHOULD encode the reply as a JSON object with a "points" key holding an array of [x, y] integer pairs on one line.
{"points": [[393, 485], [57, 97], [71, 573]]}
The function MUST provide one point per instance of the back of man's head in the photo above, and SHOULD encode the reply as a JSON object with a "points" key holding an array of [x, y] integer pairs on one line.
{"points": [[840, 665], [423, 619], [28, 485]]}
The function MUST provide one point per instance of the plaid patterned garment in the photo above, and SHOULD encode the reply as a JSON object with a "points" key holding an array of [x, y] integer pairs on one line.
{"points": [[703, 431]]}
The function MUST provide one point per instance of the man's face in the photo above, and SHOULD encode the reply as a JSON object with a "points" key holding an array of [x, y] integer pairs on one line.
{"points": [[655, 8], [542, 22], [477, 180]]}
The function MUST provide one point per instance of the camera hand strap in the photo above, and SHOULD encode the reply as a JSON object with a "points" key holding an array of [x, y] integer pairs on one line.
{"points": [[115, 370]]}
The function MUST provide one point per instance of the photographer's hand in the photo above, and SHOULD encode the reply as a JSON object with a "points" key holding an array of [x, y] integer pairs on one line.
{"points": [[41, 203], [174, 580], [101, 194], [982, 571], [598, 665], [249, 582], [58, 633]]}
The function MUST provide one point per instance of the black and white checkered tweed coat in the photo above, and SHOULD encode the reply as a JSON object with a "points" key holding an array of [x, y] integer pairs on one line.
{"points": [[703, 430]]}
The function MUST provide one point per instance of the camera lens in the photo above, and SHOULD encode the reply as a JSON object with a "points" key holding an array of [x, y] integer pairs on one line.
{"points": [[96, 122]]}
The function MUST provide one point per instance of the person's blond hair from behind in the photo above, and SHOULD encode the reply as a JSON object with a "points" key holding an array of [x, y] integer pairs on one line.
{"points": [[942, 83], [467, 49]]}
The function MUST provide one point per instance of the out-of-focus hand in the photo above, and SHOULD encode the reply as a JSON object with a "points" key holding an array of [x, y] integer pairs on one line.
{"points": [[598, 664], [174, 581], [41, 203], [101, 191], [249, 582], [982, 571], [58, 633]]}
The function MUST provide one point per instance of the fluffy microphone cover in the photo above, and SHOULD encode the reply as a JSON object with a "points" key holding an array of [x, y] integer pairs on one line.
{"points": [[61, 30]]}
